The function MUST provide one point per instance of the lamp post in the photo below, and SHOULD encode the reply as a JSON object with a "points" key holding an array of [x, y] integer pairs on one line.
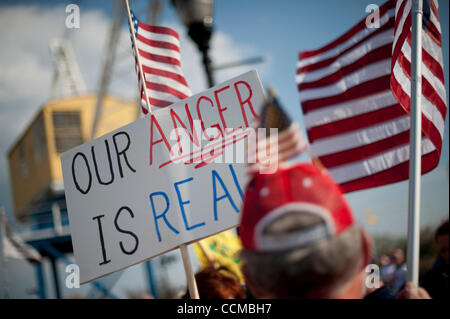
{"points": [[196, 15]]}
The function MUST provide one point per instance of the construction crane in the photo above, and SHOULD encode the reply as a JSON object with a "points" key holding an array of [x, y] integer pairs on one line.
{"points": [[154, 9], [66, 74]]}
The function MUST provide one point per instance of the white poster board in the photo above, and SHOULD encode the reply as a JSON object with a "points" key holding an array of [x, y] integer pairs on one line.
{"points": [[129, 199]]}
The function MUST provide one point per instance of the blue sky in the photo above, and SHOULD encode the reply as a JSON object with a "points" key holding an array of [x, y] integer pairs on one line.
{"points": [[277, 30]]}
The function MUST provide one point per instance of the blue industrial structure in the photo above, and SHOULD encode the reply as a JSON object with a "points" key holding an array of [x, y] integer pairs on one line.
{"points": [[50, 236]]}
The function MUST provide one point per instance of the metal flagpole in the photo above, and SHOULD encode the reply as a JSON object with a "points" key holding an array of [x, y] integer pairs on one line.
{"points": [[415, 145], [191, 283], [138, 59]]}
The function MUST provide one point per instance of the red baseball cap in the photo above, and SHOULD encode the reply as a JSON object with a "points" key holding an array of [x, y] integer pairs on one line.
{"points": [[297, 188]]}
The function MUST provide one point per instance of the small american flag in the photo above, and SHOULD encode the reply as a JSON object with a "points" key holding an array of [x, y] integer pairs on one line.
{"points": [[274, 148], [159, 53]]}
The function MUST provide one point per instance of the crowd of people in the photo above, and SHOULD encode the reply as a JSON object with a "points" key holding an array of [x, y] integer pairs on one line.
{"points": [[300, 240]]}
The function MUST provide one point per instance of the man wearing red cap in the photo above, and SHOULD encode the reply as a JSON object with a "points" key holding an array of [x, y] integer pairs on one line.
{"points": [[299, 237]]}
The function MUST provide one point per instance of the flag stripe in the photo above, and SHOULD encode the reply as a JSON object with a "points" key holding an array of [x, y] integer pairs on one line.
{"points": [[361, 137], [161, 65], [433, 30], [152, 78], [157, 44], [428, 90], [361, 90], [376, 55], [347, 110], [157, 36], [403, 87], [432, 58], [394, 174], [159, 58], [377, 39], [159, 51], [166, 74], [356, 122], [375, 164], [159, 30], [370, 72], [405, 19], [427, 75], [433, 132], [159, 103], [434, 7], [362, 152], [164, 88]]}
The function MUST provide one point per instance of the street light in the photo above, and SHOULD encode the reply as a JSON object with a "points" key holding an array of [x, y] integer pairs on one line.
{"points": [[197, 17]]}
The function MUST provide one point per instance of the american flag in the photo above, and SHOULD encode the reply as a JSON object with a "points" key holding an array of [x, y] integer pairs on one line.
{"points": [[268, 149], [434, 99], [355, 125], [159, 53]]}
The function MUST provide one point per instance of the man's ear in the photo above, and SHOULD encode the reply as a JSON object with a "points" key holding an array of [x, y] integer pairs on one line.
{"points": [[366, 247]]}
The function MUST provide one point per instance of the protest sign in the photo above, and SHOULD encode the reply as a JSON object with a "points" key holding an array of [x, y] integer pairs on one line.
{"points": [[170, 178]]}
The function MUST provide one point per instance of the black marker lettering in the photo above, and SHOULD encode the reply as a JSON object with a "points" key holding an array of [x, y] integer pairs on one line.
{"points": [[126, 231], [74, 177], [109, 162], [102, 242], [122, 152]]}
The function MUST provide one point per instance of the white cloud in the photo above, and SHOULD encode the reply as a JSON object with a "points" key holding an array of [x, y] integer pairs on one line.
{"points": [[223, 50], [26, 66]]}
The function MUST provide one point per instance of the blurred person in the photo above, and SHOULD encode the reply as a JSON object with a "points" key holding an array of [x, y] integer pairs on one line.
{"points": [[399, 275], [380, 291], [387, 268], [299, 236], [437, 281], [218, 283]]}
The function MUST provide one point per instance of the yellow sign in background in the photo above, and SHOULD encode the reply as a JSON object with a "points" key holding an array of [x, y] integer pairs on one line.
{"points": [[221, 250]]}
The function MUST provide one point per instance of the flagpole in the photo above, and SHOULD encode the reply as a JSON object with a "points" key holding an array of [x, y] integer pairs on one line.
{"points": [[415, 145], [138, 59], [192, 285], [190, 278]]}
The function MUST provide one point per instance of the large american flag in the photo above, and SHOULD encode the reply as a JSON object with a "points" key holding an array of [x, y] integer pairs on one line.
{"points": [[355, 125], [159, 53]]}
